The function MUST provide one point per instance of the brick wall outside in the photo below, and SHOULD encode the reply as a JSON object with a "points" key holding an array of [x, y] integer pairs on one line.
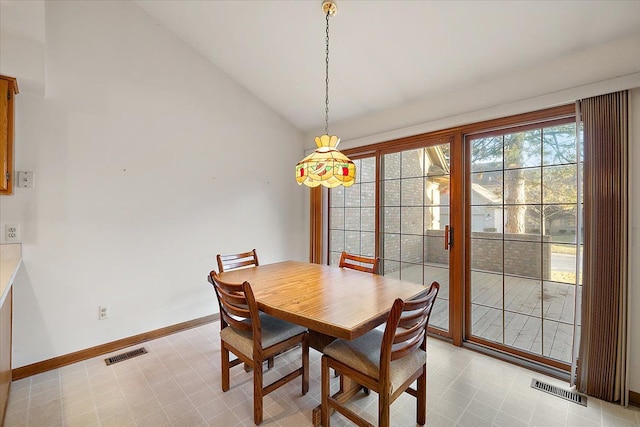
{"points": [[525, 256], [404, 237]]}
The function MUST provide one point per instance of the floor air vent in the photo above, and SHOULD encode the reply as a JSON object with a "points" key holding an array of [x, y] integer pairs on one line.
{"points": [[125, 356], [571, 396]]}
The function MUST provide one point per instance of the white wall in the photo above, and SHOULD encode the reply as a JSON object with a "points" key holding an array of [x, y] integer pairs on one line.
{"points": [[148, 161]]}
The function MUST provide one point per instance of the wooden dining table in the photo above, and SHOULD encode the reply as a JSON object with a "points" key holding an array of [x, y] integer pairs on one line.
{"points": [[331, 302]]}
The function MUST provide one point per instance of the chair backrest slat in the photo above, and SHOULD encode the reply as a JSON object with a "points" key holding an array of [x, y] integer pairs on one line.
{"points": [[233, 295], [236, 309], [405, 334], [408, 347], [233, 261], [235, 323], [406, 328], [360, 263]]}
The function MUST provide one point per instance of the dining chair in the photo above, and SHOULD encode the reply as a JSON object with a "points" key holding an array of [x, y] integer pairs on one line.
{"points": [[233, 261], [386, 362], [360, 263], [253, 337]]}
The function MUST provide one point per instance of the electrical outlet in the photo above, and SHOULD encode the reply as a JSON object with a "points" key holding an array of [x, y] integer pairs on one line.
{"points": [[103, 312], [12, 233]]}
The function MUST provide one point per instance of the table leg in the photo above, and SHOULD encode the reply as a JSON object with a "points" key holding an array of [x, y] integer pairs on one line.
{"points": [[319, 341], [348, 389]]}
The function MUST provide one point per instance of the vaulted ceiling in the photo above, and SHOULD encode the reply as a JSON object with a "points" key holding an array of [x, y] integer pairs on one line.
{"points": [[383, 53]]}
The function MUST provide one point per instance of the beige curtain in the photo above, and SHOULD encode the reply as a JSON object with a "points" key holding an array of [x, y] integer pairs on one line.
{"points": [[601, 370]]}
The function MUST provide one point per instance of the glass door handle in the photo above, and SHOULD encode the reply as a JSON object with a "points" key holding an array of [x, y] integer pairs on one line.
{"points": [[448, 237]]}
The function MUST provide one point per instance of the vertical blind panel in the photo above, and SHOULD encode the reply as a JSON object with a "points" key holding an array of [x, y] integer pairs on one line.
{"points": [[605, 242]]}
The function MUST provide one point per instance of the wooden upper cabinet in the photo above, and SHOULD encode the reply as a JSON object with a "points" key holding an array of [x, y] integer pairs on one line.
{"points": [[8, 90]]}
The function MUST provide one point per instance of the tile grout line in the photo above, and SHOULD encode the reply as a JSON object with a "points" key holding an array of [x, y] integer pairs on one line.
{"points": [[29, 402], [458, 376], [155, 395], [194, 371]]}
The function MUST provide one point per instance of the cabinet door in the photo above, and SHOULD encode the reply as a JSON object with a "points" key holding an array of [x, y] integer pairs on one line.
{"points": [[5, 145]]}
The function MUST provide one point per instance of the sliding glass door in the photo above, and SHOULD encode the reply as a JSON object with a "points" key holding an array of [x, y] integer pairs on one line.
{"points": [[399, 210], [352, 214], [523, 248], [415, 208]]}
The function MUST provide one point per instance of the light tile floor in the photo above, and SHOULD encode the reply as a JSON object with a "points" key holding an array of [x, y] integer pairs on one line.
{"points": [[178, 384]]}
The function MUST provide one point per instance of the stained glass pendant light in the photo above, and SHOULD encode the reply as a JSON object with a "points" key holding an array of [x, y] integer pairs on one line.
{"points": [[326, 165]]}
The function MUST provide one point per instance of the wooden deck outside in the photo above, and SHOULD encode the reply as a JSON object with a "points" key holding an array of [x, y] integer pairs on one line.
{"points": [[538, 315]]}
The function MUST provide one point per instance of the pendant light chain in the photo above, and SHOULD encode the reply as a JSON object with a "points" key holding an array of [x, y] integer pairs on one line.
{"points": [[326, 166], [326, 80]]}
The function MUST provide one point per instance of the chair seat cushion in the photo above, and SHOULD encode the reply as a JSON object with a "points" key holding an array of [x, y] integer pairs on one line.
{"points": [[363, 355], [273, 331]]}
